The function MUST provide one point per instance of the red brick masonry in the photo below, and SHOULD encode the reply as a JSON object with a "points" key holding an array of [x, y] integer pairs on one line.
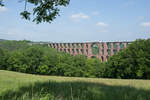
{"points": [[103, 49]]}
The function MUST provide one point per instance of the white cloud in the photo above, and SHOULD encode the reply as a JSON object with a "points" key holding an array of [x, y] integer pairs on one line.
{"points": [[102, 24], [79, 16], [3, 9], [145, 24]]}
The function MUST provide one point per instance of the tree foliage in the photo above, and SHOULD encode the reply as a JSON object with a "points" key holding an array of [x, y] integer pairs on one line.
{"points": [[43, 10], [1, 3], [40, 59], [2, 57], [130, 63]]}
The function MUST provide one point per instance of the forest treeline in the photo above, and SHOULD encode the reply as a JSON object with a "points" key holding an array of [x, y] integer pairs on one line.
{"points": [[130, 63]]}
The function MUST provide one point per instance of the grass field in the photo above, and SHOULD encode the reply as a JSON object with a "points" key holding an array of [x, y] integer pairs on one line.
{"points": [[19, 86]]}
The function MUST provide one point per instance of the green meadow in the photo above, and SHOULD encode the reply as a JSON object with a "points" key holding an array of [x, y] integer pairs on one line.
{"points": [[20, 86]]}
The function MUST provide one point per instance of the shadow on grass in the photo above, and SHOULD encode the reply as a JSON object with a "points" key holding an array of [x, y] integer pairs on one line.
{"points": [[75, 91]]}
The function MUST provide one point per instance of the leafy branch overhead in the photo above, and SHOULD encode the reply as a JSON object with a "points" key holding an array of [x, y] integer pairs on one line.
{"points": [[44, 10], [1, 3]]}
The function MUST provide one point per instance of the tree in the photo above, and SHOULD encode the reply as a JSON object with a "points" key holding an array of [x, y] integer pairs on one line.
{"points": [[44, 10], [132, 62], [2, 57], [34, 56], [43, 69], [1, 3], [16, 61]]}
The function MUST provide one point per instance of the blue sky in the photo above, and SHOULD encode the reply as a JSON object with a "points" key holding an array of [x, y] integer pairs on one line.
{"points": [[81, 21]]}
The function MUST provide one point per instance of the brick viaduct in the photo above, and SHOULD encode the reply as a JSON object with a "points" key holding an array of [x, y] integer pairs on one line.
{"points": [[100, 50]]}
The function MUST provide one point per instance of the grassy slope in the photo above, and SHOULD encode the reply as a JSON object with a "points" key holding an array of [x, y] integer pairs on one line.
{"points": [[112, 87]]}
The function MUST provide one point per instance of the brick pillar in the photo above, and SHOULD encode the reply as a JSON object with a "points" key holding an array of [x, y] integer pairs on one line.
{"points": [[84, 48], [99, 55], [89, 50], [105, 51], [125, 44], [118, 48], [111, 49]]}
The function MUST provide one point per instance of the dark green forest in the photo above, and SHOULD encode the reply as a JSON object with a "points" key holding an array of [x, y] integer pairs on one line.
{"points": [[130, 63]]}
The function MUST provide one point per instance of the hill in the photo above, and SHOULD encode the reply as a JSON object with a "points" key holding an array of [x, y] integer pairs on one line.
{"points": [[19, 86], [2, 40]]}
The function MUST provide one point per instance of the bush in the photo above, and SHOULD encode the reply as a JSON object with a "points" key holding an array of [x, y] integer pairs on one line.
{"points": [[132, 62], [39, 59]]}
